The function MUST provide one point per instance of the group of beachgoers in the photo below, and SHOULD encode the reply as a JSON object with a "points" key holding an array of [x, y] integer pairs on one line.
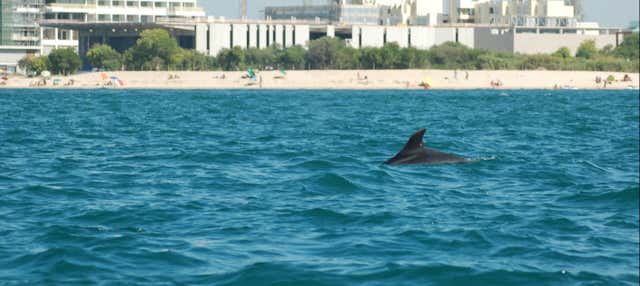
{"points": [[43, 82], [610, 79]]}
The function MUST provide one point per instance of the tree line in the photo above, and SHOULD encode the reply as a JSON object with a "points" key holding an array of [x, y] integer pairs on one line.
{"points": [[157, 50]]}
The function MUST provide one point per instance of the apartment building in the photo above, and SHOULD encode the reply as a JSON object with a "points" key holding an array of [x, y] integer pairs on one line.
{"points": [[22, 34], [109, 11], [522, 13], [130, 11], [19, 32], [368, 12]]}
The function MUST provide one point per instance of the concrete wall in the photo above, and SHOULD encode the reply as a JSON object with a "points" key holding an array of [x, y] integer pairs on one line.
{"points": [[549, 43], [262, 36], [331, 31], [443, 35], [422, 37], [240, 35], [372, 36], [10, 57], [271, 34], [279, 35], [302, 35], [253, 36], [355, 37], [399, 35], [466, 37], [220, 37], [288, 36], [201, 38], [497, 40]]}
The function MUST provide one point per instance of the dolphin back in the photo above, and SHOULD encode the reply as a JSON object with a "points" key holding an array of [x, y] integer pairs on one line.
{"points": [[414, 153]]}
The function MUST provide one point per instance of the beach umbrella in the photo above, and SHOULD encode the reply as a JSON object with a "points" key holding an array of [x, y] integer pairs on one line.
{"points": [[104, 76], [251, 73], [45, 73], [283, 72], [427, 81], [117, 81]]}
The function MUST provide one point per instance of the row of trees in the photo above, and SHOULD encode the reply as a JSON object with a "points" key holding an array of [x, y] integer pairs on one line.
{"points": [[59, 61], [157, 50]]}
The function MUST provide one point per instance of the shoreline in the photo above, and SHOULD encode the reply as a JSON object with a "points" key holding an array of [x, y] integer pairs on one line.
{"points": [[334, 80]]}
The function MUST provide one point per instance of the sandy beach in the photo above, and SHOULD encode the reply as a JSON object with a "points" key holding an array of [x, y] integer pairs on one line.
{"points": [[333, 79]]}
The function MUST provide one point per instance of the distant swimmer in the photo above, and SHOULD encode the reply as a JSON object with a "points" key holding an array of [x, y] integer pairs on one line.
{"points": [[414, 153]]}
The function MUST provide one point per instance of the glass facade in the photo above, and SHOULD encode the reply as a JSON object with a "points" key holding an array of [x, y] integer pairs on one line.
{"points": [[6, 22], [19, 22], [352, 14]]}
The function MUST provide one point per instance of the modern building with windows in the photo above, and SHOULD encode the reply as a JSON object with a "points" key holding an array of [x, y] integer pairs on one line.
{"points": [[109, 11], [130, 11], [25, 31], [337, 12], [19, 33], [523, 13]]}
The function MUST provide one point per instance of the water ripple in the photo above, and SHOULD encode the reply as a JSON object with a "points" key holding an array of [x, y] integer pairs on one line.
{"points": [[190, 187]]}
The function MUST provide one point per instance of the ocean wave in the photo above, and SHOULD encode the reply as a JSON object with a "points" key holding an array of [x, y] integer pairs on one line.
{"points": [[628, 197], [274, 273], [332, 183]]}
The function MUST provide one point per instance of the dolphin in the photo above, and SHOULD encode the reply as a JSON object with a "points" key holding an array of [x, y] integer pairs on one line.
{"points": [[414, 153]]}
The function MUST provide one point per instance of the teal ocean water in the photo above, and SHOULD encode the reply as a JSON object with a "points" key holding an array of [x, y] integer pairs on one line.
{"points": [[106, 187]]}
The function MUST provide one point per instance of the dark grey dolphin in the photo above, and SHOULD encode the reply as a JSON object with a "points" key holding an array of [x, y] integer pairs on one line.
{"points": [[414, 153]]}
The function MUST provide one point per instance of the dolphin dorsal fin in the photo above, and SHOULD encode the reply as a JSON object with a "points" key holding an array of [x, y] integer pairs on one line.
{"points": [[415, 142]]}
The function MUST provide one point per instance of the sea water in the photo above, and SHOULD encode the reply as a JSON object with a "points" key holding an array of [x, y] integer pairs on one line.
{"points": [[124, 187]]}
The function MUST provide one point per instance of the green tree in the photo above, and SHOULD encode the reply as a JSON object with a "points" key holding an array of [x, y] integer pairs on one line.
{"points": [[630, 47], [34, 65], [563, 52], [231, 59], [155, 49], [347, 58], [191, 60], [371, 58], [104, 57], [262, 58], [452, 55], [293, 57], [323, 52], [412, 58], [64, 61], [587, 50], [390, 56]]}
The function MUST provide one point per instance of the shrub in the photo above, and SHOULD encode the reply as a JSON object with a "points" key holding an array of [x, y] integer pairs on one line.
{"points": [[64, 61], [587, 49], [104, 57], [563, 52]]}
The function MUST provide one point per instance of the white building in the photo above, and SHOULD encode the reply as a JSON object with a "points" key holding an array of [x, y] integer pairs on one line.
{"points": [[28, 38], [19, 34], [365, 12], [116, 11], [133, 11], [527, 13]]}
